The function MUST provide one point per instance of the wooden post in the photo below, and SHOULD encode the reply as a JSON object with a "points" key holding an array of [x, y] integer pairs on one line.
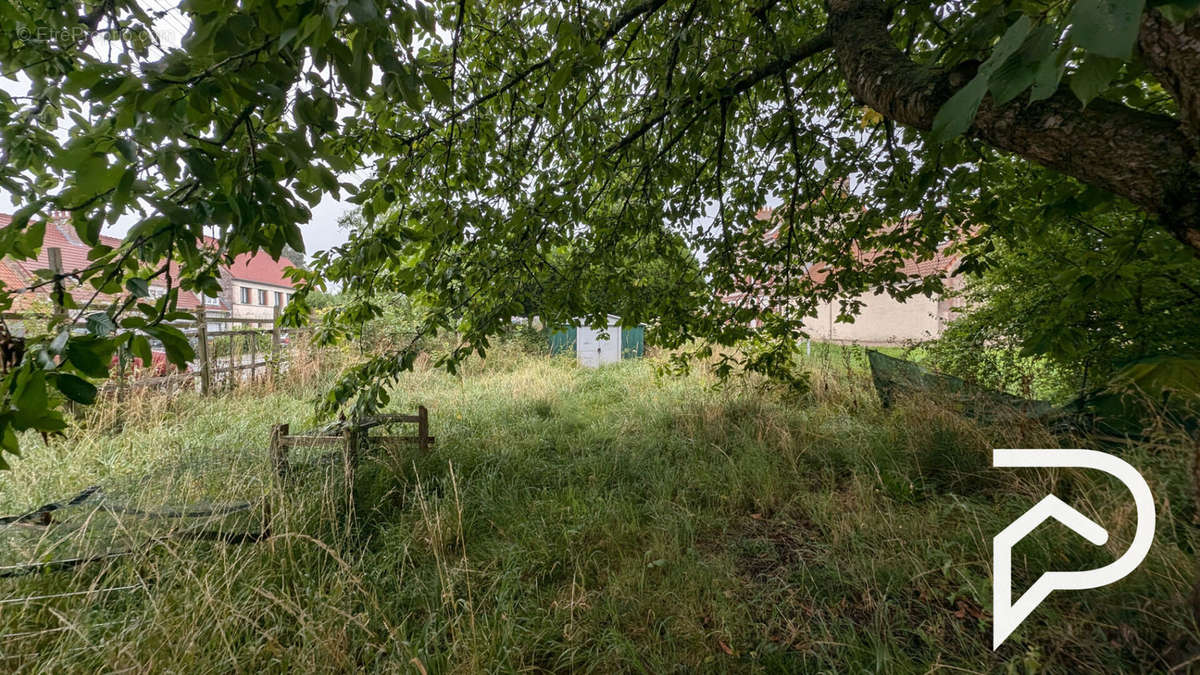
{"points": [[279, 451], [349, 466], [234, 376], [58, 297], [254, 351], [351, 436], [276, 337], [202, 351], [423, 429]]}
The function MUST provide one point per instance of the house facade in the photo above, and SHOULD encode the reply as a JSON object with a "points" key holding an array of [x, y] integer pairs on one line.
{"points": [[882, 319], [256, 278], [255, 285]]}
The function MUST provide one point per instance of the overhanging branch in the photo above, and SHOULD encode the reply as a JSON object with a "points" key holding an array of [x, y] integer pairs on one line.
{"points": [[709, 98], [1141, 156]]}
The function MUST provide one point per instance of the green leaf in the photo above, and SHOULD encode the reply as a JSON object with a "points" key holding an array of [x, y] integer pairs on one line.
{"points": [[31, 397], [562, 76], [294, 237], [94, 176], [1008, 45], [409, 88], [955, 116], [1106, 27], [133, 322], [179, 350], [76, 388], [1049, 74], [126, 148], [50, 422], [1178, 11], [90, 355], [35, 235], [140, 288], [1020, 70], [9, 439], [1094, 76], [438, 89], [426, 19], [139, 347], [22, 216], [59, 342], [363, 11], [100, 324]]}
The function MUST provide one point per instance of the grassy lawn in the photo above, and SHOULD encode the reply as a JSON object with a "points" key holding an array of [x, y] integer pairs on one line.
{"points": [[568, 519]]}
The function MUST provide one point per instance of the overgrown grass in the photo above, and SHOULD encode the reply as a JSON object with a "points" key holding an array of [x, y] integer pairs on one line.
{"points": [[605, 520]]}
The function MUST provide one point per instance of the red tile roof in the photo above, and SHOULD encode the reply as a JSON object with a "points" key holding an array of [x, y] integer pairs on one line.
{"points": [[261, 269], [12, 275], [74, 253]]}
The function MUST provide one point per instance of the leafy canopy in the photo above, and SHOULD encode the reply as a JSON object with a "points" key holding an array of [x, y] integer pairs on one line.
{"points": [[562, 145]]}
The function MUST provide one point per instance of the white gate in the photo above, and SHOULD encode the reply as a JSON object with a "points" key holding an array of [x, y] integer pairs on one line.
{"points": [[595, 350]]}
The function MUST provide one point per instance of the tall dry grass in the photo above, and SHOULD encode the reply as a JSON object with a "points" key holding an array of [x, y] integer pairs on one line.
{"points": [[569, 519]]}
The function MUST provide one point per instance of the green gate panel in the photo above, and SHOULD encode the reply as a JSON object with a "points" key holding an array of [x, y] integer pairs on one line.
{"points": [[562, 341], [633, 342]]}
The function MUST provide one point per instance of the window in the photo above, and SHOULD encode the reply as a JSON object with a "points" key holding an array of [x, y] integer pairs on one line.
{"points": [[262, 297], [245, 295], [278, 298]]}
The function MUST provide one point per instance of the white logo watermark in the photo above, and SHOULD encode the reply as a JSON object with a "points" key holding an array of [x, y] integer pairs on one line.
{"points": [[1007, 614], [79, 33]]}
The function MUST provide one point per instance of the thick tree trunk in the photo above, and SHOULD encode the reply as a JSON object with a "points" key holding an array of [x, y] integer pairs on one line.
{"points": [[1144, 157], [1172, 53]]}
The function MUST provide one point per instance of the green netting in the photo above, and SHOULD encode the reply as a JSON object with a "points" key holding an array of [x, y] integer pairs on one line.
{"points": [[1163, 388], [1159, 388], [893, 376], [90, 527]]}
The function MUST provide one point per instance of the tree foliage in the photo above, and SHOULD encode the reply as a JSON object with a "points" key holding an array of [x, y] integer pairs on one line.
{"points": [[1060, 298], [498, 133]]}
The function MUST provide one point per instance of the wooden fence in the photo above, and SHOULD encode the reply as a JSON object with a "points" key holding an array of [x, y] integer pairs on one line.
{"points": [[207, 373], [244, 355], [210, 371]]}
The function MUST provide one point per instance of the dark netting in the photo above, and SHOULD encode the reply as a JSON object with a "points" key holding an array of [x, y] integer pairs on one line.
{"points": [[893, 377], [1153, 389], [90, 526]]}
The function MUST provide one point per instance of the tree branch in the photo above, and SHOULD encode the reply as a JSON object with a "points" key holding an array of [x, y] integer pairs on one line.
{"points": [[729, 90], [1141, 156], [1172, 53]]}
